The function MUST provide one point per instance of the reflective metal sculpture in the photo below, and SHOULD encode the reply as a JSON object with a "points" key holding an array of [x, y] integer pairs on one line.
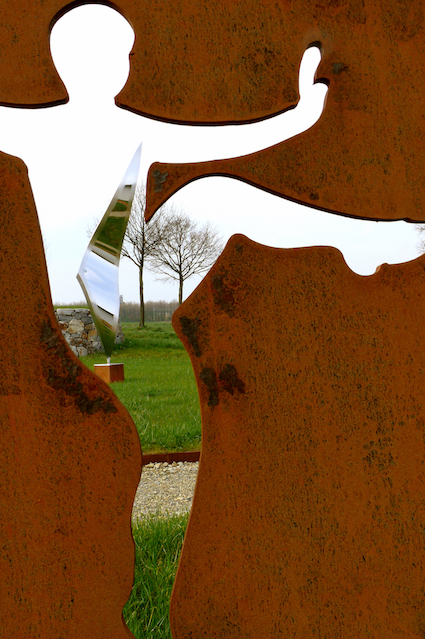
{"points": [[98, 273]]}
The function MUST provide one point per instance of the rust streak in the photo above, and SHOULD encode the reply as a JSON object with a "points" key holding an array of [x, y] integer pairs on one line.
{"points": [[190, 330]]}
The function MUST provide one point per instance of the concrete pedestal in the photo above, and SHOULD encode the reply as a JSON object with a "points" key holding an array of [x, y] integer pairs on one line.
{"points": [[110, 372]]}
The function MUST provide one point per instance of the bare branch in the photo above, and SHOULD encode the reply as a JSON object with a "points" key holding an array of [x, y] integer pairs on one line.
{"points": [[184, 248], [171, 244], [140, 240]]}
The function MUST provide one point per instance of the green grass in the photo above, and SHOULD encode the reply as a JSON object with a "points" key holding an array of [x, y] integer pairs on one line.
{"points": [[158, 544], [159, 390], [160, 394]]}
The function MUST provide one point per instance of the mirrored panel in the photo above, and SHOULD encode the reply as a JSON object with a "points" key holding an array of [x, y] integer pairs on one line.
{"points": [[98, 273]]}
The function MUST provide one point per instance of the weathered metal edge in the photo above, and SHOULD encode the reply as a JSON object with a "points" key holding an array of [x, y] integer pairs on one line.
{"points": [[192, 456]]}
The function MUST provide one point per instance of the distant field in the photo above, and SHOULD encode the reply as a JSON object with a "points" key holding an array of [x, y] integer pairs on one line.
{"points": [[159, 390]]}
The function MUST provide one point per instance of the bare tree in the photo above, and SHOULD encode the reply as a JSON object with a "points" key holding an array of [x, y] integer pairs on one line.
{"points": [[183, 248], [141, 240], [171, 244]]}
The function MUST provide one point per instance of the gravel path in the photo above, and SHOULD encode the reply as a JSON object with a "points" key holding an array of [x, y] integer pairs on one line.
{"points": [[165, 489]]}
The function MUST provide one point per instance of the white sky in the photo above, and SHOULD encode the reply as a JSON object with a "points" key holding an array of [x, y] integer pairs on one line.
{"points": [[77, 154]]}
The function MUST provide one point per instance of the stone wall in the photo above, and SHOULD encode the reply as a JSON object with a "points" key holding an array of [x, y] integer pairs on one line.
{"points": [[80, 331]]}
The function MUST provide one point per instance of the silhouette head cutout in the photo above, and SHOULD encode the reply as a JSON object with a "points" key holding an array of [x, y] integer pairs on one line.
{"points": [[89, 78]]}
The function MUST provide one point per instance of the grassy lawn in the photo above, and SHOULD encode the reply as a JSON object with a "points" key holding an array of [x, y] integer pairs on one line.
{"points": [[160, 394], [159, 390], [158, 543]]}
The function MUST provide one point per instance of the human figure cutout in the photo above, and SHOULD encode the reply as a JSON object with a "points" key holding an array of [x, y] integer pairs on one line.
{"points": [[77, 134], [74, 128], [90, 125]]}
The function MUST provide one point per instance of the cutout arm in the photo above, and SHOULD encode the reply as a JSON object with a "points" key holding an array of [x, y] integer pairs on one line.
{"points": [[187, 143]]}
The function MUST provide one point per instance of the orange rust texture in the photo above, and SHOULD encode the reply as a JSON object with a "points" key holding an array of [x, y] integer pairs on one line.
{"points": [[198, 61], [70, 457], [365, 156], [309, 510], [110, 372]]}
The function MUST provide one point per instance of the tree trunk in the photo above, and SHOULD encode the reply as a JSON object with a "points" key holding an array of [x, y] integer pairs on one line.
{"points": [[142, 299], [180, 289]]}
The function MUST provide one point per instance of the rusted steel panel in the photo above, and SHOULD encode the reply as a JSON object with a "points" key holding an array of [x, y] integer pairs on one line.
{"points": [[211, 62], [309, 508], [170, 458], [70, 456], [28, 75], [365, 156]]}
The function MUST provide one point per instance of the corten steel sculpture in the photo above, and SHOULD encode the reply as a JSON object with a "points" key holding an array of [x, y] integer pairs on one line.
{"points": [[232, 62], [309, 509], [69, 456], [330, 541]]}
